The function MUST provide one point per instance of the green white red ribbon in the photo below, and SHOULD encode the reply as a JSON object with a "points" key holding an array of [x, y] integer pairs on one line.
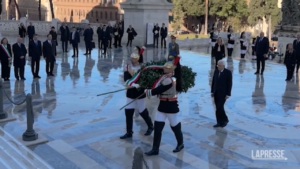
{"points": [[136, 77]]}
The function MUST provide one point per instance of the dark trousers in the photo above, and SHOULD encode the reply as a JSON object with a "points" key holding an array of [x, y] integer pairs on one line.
{"points": [[100, 43], [64, 46], [75, 48], [163, 42], [109, 45], [298, 65], [242, 56], [49, 66], [289, 71], [55, 43], [120, 41], [155, 42], [105, 44], [217, 59], [129, 42], [5, 69], [260, 60], [229, 50], [220, 111], [88, 48], [35, 66], [30, 37], [19, 71], [116, 41]]}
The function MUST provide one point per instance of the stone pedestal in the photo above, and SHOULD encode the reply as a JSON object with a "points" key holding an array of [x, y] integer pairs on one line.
{"points": [[138, 13], [286, 34]]}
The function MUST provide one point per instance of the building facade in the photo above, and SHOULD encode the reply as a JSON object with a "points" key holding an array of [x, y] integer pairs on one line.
{"points": [[100, 11], [95, 11]]}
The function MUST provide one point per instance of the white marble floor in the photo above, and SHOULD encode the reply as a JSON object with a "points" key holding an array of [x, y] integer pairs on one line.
{"points": [[83, 129]]}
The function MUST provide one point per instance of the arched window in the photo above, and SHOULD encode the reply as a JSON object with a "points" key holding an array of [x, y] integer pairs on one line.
{"points": [[101, 15], [97, 14], [65, 12], [105, 15], [92, 13], [116, 15], [110, 15]]}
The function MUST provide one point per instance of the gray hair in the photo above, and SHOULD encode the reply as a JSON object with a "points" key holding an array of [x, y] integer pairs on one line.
{"points": [[221, 62]]}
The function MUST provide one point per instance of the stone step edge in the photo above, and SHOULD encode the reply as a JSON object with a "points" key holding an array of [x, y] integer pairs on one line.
{"points": [[22, 149]]}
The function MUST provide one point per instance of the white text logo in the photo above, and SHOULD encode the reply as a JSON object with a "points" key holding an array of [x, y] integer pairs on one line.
{"points": [[268, 155]]}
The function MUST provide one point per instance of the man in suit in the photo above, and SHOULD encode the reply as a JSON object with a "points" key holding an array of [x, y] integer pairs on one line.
{"points": [[100, 34], [106, 37], [155, 35], [296, 45], [221, 91], [111, 31], [35, 53], [49, 55], [30, 31], [88, 37], [64, 37], [262, 50], [121, 33], [19, 62], [54, 37], [163, 35], [74, 40]]}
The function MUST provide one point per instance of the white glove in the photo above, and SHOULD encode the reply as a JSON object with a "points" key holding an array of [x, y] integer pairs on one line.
{"points": [[135, 85]]}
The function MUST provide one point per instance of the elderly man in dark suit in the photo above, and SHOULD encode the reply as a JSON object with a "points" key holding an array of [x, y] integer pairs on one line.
{"points": [[30, 31], [49, 55], [296, 45], [221, 91], [262, 50], [19, 62], [64, 36], [105, 38], [74, 40], [155, 31], [35, 53], [100, 35], [88, 37], [163, 35]]}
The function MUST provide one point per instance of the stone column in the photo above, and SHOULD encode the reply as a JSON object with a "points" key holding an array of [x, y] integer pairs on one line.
{"points": [[140, 12]]}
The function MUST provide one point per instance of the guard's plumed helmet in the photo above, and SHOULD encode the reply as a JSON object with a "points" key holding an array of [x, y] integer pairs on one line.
{"points": [[135, 55]]}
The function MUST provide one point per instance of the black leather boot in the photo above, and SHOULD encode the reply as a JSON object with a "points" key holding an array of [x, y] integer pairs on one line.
{"points": [[158, 127], [179, 137], [147, 118], [129, 123]]}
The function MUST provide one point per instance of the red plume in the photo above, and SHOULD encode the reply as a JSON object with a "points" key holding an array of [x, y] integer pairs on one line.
{"points": [[176, 60], [142, 50]]}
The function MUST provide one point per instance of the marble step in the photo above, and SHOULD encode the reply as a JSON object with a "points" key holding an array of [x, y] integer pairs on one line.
{"points": [[15, 155]]}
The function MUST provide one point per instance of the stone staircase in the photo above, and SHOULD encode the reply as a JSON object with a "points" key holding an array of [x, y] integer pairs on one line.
{"points": [[15, 155]]}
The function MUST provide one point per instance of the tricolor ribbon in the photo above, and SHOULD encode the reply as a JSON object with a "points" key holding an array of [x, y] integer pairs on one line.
{"points": [[136, 77], [148, 92]]}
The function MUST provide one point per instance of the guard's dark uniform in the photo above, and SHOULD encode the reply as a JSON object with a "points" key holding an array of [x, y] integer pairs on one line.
{"points": [[132, 94], [167, 109]]}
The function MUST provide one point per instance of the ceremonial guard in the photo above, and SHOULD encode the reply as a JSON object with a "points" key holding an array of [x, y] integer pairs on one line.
{"points": [[167, 88], [244, 44], [231, 38], [173, 47], [134, 92], [213, 36], [253, 48]]}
